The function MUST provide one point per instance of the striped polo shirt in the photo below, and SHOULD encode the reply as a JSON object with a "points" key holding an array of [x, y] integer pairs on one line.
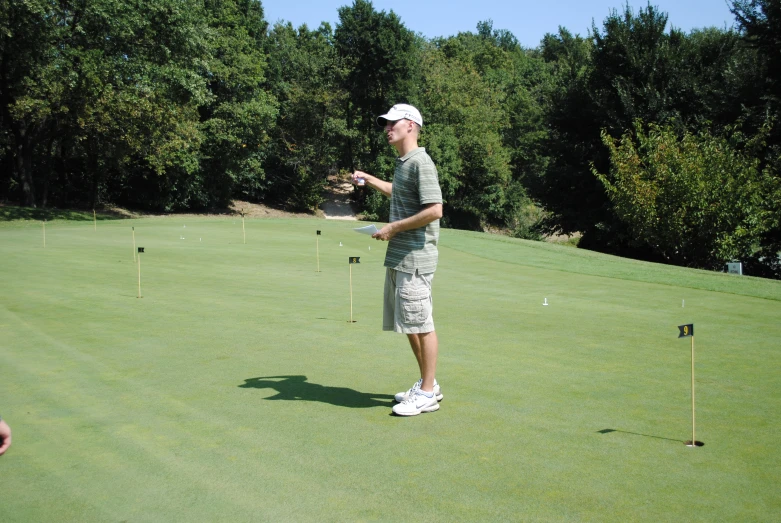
{"points": [[415, 184]]}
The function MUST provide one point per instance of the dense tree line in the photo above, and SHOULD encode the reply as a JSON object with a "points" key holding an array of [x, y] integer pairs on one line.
{"points": [[646, 140]]}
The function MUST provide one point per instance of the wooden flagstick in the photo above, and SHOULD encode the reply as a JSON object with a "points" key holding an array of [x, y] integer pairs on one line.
{"points": [[351, 294], [140, 250], [243, 231], [353, 259], [317, 246], [687, 331], [134, 243], [694, 438]]}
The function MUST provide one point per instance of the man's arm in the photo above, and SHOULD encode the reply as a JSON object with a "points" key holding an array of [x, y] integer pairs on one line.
{"points": [[373, 182], [429, 213], [5, 437]]}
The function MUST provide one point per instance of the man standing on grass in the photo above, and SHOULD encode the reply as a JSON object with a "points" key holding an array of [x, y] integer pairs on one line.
{"points": [[411, 258]]}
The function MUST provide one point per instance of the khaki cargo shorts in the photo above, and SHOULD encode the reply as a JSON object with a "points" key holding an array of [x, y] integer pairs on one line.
{"points": [[408, 305]]}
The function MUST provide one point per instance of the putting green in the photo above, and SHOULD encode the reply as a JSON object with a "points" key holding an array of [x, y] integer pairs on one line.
{"points": [[236, 389]]}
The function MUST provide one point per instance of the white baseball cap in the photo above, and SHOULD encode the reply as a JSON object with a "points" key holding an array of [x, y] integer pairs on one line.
{"points": [[401, 112]]}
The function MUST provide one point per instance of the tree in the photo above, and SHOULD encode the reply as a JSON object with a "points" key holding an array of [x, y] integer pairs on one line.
{"points": [[239, 114], [465, 119], [633, 68], [484, 119], [24, 51], [566, 189], [99, 90], [760, 25], [305, 75], [695, 201], [760, 22], [380, 58]]}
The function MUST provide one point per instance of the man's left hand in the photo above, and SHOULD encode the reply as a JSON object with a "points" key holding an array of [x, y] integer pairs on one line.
{"points": [[385, 234]]}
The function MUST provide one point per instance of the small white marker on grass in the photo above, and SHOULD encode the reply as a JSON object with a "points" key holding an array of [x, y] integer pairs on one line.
{"points": [[545, 303]]}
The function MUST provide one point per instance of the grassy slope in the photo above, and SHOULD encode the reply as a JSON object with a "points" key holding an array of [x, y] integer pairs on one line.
{"points": [[169, 408]]}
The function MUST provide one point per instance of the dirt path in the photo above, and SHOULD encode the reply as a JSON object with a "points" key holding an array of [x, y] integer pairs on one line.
{"points": [[337, 205]]}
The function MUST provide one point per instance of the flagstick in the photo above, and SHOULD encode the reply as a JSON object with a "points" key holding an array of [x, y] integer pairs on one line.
{"points": [[139, 276], [317, 244], [694, 439], [134, 243], [351, 293]]}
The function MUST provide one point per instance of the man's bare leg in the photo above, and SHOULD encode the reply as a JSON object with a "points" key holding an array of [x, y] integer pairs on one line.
{"points": [[426, 348], [414, 343]]}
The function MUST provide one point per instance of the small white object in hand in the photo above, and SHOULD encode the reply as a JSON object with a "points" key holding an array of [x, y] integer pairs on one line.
{"points": [[369, 229]]}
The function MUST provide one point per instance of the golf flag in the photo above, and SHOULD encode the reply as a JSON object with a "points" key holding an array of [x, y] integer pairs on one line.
{"points": [[686, 330], [140, 249], [318, 233], [355, 259]]}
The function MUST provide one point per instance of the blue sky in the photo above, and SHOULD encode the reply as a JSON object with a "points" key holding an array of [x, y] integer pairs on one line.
{"points": [[527, 20]]}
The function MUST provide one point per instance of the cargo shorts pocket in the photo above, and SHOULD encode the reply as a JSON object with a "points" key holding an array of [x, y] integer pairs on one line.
{"points": [[415, 304]]}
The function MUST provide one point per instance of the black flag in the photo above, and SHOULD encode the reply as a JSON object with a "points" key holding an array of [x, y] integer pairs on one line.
{"points": [[686, 330], [355, 259], [140, 249]]}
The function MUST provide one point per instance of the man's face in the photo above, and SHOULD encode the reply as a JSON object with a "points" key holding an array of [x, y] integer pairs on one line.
{"points": [[397, 131]]}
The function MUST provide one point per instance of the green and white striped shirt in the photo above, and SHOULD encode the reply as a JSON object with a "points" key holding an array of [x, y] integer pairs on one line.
{"points": [[415, 184]]}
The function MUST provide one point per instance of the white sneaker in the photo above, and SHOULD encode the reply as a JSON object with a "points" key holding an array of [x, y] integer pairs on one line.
{"points": [[401, 396], [415, 404]]}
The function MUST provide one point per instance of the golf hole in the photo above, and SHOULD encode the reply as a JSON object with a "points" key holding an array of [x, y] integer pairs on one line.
{"points": [[696, 444]]}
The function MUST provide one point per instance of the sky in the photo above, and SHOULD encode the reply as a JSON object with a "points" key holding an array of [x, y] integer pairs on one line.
{"points": [[528, 20]]}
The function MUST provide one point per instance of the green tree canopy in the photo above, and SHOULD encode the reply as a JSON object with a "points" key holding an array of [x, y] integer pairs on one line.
{"points": [[695, 201]]}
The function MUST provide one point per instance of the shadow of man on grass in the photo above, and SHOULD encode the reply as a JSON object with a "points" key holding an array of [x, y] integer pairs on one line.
{"points": [[298, 389]]}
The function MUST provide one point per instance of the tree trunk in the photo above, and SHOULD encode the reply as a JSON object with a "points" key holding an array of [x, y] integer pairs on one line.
{"points": [[24, 165], [350, 155], [93, 163], [48, 171]]}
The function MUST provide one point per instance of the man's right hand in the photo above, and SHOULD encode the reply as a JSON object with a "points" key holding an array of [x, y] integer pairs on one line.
{"points": [[359, 178], [363, 179]]}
